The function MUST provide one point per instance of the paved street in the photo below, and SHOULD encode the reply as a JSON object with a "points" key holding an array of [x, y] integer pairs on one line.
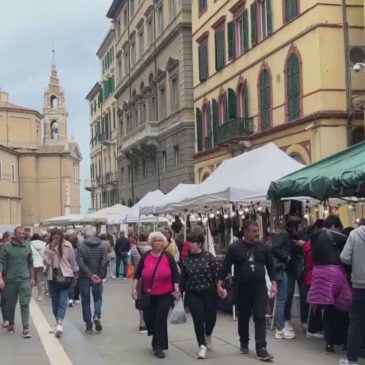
{"points": [[120, 342]]}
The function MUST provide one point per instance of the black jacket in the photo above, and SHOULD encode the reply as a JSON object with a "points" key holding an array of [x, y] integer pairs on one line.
{"points": [[250, 261], [92, 258], [122, 246], [281, 247]]}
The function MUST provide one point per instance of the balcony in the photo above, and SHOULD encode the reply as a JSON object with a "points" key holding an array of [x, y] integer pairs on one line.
{"points": [[234, 129], [143, 136], [111, 178], [105, 138], [89, 184]]}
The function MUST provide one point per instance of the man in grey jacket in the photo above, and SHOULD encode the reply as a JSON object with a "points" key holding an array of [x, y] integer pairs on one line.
{"points": [[92, 260], [354, 254]]}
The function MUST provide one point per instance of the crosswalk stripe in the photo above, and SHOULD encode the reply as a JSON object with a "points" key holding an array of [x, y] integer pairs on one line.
{"points": [[54, 349]]}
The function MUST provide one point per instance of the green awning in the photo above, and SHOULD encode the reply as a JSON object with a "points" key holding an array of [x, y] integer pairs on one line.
{"points": [[339, 175]]}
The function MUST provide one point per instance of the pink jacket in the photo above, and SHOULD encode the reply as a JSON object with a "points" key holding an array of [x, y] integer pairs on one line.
{"points": [[330, 287], [67, 263]]}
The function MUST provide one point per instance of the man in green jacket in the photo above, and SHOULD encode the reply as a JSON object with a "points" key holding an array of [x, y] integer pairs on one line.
{"points": [[16, 265]]}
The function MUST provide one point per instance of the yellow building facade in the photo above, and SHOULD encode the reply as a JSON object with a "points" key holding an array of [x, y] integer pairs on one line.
{"points": [[39, 167], [276, 71], [103, 182]]}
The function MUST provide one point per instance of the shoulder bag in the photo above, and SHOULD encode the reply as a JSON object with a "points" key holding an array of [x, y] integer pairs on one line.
{"points": [[143, 300]]}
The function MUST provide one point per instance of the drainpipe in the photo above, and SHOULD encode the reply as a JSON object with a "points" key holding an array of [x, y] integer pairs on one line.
{"points": [[347, 74]]}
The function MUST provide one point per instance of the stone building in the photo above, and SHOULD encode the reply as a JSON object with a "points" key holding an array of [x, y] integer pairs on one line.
{"points": [[154, 95], [39, 172], [276, 71]]}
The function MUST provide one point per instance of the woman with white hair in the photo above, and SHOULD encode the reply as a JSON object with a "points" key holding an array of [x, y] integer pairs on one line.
{"points": [[159, 277]]}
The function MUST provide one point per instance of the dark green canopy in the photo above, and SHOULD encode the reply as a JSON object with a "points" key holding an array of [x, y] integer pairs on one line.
{"points": [[339, 175]]}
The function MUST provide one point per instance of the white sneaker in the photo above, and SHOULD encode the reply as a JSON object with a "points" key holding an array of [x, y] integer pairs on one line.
{"points": [[208, 342], [288, 326], [202, 354], [59, 331], [70, 303], [318, 335], [347, 362], [284, 334], [53, 329]]}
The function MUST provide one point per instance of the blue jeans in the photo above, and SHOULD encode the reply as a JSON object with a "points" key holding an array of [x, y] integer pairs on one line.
{"points": [[59, 296], [97, 292], [282, 282], [124, 261]]}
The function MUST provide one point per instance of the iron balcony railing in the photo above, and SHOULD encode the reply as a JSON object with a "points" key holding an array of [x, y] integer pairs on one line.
{"points": [[233, 129]]}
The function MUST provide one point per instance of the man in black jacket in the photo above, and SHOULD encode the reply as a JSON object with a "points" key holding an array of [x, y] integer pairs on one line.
{"points": [[122, 247], [92, 260], [250, 257]]}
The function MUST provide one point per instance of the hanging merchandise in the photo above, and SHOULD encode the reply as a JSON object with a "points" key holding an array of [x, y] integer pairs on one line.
{"points": [[176, 225]]}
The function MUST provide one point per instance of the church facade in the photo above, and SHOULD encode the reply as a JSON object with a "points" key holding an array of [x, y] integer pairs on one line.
{"points": [[39, 166]]}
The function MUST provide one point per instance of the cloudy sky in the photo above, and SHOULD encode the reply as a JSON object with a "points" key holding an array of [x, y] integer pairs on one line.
{"points": [[28, 29]]}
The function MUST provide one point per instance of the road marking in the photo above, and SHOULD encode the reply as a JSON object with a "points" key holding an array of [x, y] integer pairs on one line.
{"points": [[54, 349]]}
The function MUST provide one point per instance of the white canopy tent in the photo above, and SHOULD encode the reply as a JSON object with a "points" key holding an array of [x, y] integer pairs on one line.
{"points": [[64, 220], [244, 178], [101, 216], [132, 214]]}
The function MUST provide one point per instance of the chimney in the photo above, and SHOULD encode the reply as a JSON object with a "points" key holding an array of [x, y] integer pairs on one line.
{"points": [[4, 97]]}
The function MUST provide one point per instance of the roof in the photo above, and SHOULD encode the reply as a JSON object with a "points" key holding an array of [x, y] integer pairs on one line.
{"points": [[94, 90], [105, 44], [113, 10], [10, 106], [338, 176]]}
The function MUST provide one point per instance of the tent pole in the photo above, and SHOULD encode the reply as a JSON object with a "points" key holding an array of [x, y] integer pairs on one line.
{"points": [[232, 268]]}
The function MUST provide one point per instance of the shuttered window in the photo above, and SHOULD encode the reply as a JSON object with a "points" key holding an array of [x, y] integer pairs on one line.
{"points": [[231, 41], [291, 9], [208, 128], [220, 49], [244, 101], [199, 129], [232, 105], [293, 87], [253, 24], [265, 100], [203, 62], [202, 5], [215, 119], [266, 18]]}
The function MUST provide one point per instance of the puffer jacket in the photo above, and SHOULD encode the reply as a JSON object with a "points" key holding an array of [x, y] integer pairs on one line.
{"points": [[38, 247], [330, 287]]}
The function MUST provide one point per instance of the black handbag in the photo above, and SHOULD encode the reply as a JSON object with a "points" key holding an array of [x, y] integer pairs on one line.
{"points": [[58, 277], [144, 299]]}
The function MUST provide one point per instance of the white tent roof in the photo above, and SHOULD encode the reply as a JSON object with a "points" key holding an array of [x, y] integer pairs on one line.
{"points": [[244, 178], [63, 220], [132, 214], [102, 216]]}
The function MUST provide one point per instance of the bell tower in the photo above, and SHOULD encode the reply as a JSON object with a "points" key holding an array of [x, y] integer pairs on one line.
{"points": [[54, 112]]}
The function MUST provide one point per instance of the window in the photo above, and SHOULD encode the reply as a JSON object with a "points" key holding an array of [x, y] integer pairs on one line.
{"points": [[199, 129], [202, 6], [132, 7], [133, 51], [172, 9], [13, 176], [176, 156], [242, 30], [232, 105], [118, 28], [244, 100], [291, 9], [293, 87], [126, 61], [223, 109], [164, 161], [174, 93], [1, 169], [114, 119], [231, 41], [125, 18], [253, 24], [220, 49], [264, 10], [265, 100], [162, 103], [119, 69], [203, 61], [160, 18], [141, 42], [149, 31]]}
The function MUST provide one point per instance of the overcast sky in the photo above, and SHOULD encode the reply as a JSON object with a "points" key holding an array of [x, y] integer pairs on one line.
{"points": [[28, 29]]}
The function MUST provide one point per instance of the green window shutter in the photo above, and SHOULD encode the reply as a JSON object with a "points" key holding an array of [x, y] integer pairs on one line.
{"points": [[231, 41], [199, 129], [215, 119], [232, 105], [265, 100], [219, 50], [245, 101], [293, 87], [291, 9], [268, 16], [203, 62], [253, 24], [245, 31], [209, 128]]}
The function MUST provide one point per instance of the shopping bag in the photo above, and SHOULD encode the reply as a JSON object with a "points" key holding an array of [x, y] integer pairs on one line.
{"points": [[178, 315], [130, 271]]}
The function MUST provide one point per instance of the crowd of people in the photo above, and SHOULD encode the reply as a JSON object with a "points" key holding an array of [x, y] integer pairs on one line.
{"points": [[325, 262]]}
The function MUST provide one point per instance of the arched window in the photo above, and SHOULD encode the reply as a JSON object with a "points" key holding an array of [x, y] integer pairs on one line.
{"points": [[199, 129], [54, 101], [265, 100], [232, 105], [223, 109], [293, 87], [243, 100], [207, 126], [54, 130], [298, 158]]}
